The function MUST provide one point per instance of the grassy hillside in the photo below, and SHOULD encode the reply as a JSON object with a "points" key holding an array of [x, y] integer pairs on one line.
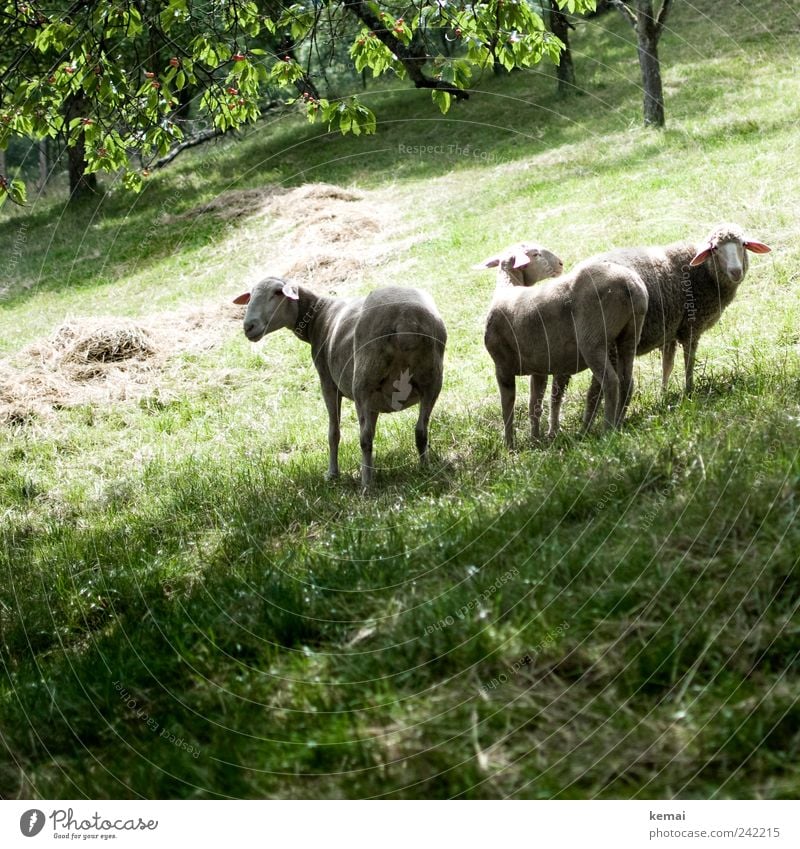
{"points": [[187, 609]]}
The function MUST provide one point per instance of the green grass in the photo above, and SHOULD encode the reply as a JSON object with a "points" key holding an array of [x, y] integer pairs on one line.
{"points": [[177, 565]]}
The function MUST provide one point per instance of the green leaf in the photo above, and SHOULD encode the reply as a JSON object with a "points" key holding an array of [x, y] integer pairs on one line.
{"points": [[441, 99], [132, 180], [15, 190]]}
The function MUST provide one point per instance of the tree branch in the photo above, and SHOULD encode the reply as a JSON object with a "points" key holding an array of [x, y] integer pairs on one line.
{"points": [[411, 58], [202, 138], [662, 16], [625, 11]]}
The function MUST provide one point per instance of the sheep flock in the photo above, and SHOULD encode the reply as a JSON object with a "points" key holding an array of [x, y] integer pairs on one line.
{"points": [[385, 351]]}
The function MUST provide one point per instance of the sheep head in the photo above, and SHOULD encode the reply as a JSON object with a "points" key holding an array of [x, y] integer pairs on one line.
{"points": [[271, 304], [726, 247], [526, 263]]}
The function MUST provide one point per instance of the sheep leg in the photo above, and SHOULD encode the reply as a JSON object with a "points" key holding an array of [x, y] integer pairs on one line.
{"points": [[421, 432], [508, 395], [600, 361], [592, 403], [538, 388], [367, 419], [333, 401], [426, 402], [667, 362], [689, 352], [626, 354], [560, 383]]}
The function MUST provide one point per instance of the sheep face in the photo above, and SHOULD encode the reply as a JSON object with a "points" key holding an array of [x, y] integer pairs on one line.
{"points": [[541, 264], [526, 263], [726, 249], [271, 305]]}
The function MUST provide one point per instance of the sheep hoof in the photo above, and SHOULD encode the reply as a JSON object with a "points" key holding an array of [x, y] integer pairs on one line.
{"points": [[331, 476]]}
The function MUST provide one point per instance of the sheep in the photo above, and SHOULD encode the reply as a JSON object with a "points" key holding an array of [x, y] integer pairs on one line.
{"points": [[590, 318], [689, 286], [531, 263], [384, 351]]}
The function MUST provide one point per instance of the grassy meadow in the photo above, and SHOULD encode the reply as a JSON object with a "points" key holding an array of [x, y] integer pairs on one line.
{"points": [[189, 610]]}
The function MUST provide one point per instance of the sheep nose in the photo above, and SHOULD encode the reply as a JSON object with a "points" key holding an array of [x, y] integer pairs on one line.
{"points": [[736, 274], [249, 327]]}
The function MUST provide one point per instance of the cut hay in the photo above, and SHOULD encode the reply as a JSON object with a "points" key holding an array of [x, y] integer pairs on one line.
{"points": [[233, 204], [318, 234], [107, 360], [109, 341]]}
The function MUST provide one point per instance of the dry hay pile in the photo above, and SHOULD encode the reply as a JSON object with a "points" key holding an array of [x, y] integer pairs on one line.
{"points": [[88, 350], [318, 234], [234, 204], [105, 360]]}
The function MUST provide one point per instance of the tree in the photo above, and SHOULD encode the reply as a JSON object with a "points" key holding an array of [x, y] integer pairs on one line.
{"points": [[110, 77], [565, 71], [648, 27]]}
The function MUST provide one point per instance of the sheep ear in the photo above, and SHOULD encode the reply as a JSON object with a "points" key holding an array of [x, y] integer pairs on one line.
{"points": [[291, 291], [757, 247], [521, 259], [488, 263], [242, 299], [701, 256]]}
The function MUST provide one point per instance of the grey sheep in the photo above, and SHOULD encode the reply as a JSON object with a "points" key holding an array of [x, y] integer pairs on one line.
{"points": [[525, 264], [385, 351], [689, 286], [590, 318]]}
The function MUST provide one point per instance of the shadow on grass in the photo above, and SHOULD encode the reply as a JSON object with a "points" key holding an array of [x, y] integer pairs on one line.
{"points": [[240, 587]]}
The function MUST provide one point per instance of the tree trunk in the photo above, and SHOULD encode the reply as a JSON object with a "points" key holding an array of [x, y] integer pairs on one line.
{"points": [[565, 69], [81, 184], [182, 110], [647, 44], [43, 167]]}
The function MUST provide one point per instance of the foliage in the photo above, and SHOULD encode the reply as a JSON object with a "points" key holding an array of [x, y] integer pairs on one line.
{"points": [[111, 75]]}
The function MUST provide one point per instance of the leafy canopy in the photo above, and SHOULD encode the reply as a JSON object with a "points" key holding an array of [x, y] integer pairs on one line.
{"points": [[111, 74]]}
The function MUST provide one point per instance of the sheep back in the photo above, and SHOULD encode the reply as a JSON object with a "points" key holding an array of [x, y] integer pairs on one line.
{"points": [[542, 330], [397, 348]]}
